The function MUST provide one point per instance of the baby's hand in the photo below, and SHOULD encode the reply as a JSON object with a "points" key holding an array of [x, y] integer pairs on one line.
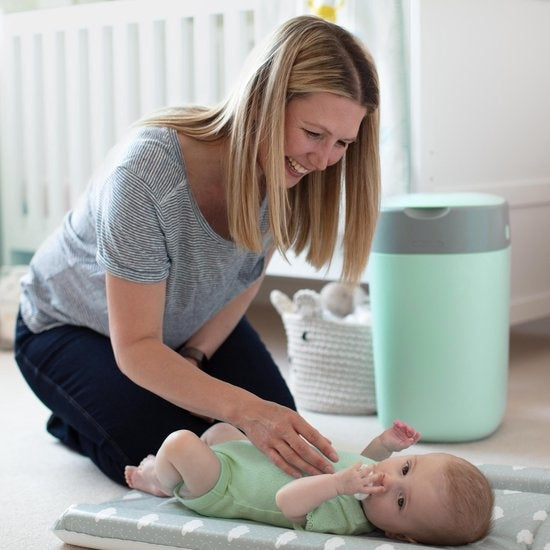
{"points": [[400, 436], [360, 480]]}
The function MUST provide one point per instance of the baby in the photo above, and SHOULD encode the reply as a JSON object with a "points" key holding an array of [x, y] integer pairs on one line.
{"points": [[434, 498]]}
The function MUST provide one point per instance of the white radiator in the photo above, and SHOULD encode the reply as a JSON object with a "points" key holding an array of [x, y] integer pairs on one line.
{"points": [[73, 79]]}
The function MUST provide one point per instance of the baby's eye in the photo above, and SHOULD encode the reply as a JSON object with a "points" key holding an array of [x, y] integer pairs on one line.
{"points": [[401, 502], [405, 469]]}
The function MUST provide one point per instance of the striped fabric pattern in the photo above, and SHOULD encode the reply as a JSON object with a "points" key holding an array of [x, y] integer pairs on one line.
{"points": [[139, 221]]}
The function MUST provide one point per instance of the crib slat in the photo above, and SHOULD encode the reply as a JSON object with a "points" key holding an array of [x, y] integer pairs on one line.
{"points": [[12, 153], [178, 61], [76, 78], [204, 59], [32, 136], [78, 128], [101, 98], [147, 68], [236, 45], [55, 128], [125, 77]]}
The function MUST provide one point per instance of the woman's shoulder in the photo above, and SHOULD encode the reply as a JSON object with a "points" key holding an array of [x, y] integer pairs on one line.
{"points": [[150, 146], [152, 155]]}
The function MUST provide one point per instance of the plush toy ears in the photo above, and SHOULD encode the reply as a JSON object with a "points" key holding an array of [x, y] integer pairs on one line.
{"points": [[308, 303], [305, 303], [281, 302]]}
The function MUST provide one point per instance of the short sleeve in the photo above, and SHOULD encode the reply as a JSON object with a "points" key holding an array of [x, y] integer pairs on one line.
{"points": [[342, 515], [130, 238]]}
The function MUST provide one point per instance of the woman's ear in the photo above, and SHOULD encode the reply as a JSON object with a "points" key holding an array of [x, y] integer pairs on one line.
{"points": [[396, 536]]}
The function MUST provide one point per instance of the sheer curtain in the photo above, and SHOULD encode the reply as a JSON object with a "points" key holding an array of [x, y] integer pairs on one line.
{"points": [[383, 26]]}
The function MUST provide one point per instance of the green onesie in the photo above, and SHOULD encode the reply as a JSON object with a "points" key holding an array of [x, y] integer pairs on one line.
{"points": [[247, 486]]}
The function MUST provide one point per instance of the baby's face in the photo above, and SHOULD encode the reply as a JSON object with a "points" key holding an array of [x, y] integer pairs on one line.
{"points": [[414, 496]]}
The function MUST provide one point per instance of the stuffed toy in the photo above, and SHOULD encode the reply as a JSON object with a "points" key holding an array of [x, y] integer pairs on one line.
{"points": [[329, 348]]}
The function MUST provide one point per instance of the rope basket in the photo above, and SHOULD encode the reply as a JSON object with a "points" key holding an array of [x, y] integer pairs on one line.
{"points": [[331, 364], [9, 302]]}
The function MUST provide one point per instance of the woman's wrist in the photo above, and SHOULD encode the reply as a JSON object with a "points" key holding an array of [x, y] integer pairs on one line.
{"points": [[194, 355], [242, 408], [193, 361]]}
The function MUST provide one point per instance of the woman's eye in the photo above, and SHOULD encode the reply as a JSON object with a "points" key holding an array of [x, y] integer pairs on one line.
{"points": [[405, 469], [311, 134], [401, 502]]}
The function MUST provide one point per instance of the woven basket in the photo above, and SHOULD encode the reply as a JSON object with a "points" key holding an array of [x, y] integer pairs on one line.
{"points": [[9, 302], [331, 365]]}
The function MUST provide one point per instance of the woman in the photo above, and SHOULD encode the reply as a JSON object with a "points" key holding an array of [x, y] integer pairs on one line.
{"points": [[132, 316]]}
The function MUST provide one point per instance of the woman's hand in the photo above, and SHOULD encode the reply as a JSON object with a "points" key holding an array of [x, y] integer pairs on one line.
{"points": [[287, 439]]}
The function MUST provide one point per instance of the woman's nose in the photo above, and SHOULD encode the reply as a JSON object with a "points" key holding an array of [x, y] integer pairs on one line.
{"points": [[319, 161], [320, 158]]}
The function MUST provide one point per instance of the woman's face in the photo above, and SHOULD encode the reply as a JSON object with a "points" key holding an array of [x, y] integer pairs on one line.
{"points": [[318, 129]]}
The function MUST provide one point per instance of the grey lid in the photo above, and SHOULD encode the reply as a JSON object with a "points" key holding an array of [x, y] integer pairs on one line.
{"points": [[442, 223]]}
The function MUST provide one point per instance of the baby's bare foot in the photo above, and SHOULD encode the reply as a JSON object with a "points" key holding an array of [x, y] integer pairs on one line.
{"points": [[143, 477]]}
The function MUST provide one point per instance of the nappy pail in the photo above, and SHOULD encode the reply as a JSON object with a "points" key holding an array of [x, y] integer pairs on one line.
{"points": [[439, 279]]}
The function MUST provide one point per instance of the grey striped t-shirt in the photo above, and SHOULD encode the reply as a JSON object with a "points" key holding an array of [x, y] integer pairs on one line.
{"points": [[139, 221]]}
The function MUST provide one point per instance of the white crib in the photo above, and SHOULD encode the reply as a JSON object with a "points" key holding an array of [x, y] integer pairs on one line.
{"points": [[73, 79]]}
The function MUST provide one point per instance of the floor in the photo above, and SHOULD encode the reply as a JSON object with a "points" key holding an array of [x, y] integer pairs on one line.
{"points": [[40, 478]]}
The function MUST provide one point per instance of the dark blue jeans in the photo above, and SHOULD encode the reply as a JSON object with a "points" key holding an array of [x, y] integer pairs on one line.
{"points": [[99, 412]]}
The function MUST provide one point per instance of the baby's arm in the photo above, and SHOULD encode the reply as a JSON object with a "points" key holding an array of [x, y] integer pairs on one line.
{"points": [[297, 498], [397, 438]]}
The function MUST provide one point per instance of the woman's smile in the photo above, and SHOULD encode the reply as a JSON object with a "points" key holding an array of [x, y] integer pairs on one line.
{"points": [[295, 168]]}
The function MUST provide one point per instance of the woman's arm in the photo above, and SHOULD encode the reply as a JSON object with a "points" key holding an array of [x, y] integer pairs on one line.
{"points": [[297, 498], [135, 320]]}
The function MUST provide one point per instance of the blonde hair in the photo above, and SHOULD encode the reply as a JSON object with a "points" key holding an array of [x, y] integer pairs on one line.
{"points": [[305, 55], [469, 504]]}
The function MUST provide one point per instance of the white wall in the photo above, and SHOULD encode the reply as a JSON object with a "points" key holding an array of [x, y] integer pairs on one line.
{"points": [[480, 82]]}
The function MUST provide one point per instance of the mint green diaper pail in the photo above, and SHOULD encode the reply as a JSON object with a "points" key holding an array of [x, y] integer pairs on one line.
{"points": [[439, 279]]}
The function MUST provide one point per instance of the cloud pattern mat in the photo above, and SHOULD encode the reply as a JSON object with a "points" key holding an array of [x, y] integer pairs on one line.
{"points": [[521, 520]]}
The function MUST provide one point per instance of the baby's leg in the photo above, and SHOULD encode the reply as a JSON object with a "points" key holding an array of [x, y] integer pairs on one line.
{"points": [[143, 477], [221, 432], [182, 456]]}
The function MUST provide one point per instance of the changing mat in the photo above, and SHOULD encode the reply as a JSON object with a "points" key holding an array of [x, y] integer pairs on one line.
{"points": [[140, 521]]}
